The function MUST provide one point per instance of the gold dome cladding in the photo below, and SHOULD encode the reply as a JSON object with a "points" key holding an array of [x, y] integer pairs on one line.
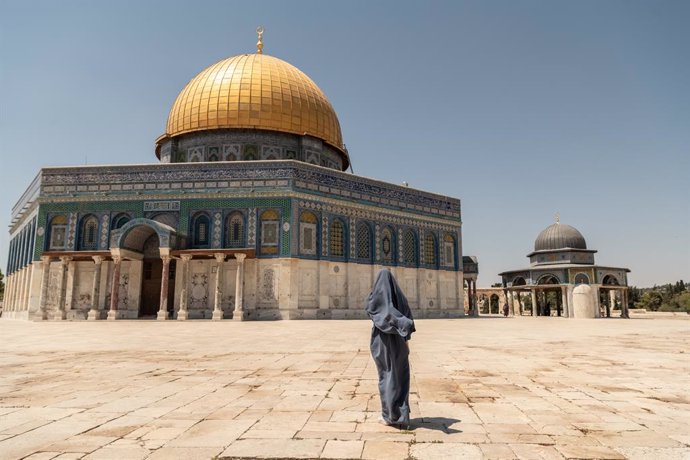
{"points": [[254, 91]]}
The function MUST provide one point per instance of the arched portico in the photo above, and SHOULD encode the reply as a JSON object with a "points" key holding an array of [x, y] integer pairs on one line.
{"points": [[137, 240]]}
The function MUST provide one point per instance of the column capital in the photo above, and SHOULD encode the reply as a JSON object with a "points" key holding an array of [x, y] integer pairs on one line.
{"points": [[186, 257], [97, 259], [220, 258], [117, 260], [65, 259], [240, 256], [45, 259], [166, 259]]}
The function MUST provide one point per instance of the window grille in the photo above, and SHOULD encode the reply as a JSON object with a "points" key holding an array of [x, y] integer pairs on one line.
{"points": [[308, 229], [363, 241], [235, 230], [409, 248], [429, 249], [337, 239], [89, 233], [269, 232], [201, 224]]}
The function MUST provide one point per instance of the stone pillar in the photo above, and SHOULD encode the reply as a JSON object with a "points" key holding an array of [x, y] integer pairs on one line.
{"points": [[184, 292], [474, 299], [115, 288], [564, 301], [45, 280], [218, 296], [94, 314], [624, 303], [165, 275], [533, 293], [64, 261], [238, 314], [70, 286], [612, 302]]}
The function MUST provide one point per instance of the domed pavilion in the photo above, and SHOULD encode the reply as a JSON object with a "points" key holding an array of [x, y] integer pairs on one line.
{"points": [[250, 214], [563, 280]]}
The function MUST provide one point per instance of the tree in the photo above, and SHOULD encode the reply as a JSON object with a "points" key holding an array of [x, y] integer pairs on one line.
{"points": [[2, 286], [650, 300]]}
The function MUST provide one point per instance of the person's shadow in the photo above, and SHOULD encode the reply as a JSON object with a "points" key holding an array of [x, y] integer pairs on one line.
{"points": [[434, 423]]}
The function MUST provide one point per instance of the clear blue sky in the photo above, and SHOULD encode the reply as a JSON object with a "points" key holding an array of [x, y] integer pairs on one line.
{"points": [[520, 108]]}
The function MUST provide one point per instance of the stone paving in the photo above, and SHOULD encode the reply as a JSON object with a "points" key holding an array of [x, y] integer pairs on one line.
{"points": [[482, 388]]}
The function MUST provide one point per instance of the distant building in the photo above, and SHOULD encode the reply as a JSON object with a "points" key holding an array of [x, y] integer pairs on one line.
{"points": [[249, 215], [562, 279]]}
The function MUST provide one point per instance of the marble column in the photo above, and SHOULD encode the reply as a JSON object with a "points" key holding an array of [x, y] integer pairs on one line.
{"points": [[564, 301], [94, 314], [612, 302], [218, 295], [238, 313], [165, 275], [533, 293], [45, 280], [115, 288], [184, 292], [62, 291]]}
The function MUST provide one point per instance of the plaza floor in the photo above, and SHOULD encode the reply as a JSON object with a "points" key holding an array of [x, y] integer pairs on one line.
{"points": [[481, 388]]}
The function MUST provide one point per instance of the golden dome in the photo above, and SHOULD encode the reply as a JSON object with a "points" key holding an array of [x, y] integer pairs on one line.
{"points": [[254, 91]]}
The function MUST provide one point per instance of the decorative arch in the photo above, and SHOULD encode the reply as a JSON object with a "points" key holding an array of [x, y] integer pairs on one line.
{"points": [[610, 280], [88, 232], [119, 220], [134, 234], [201, 230], [519, 281], [582, 278], [548, 278]]}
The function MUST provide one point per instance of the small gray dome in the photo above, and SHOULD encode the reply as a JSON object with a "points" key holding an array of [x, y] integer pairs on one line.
{"points": [[559, 236]]}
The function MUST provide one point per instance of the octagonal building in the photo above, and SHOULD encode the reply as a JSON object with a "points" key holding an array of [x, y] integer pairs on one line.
{"points": [[563, 280], [249, 214]]}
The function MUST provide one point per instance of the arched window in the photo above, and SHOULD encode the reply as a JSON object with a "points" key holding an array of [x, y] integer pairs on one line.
{"points": [[269, 232], [119, 220], [58, 232], [409, 254], [337, 238], [387, 245], [430, 249], [363, 241], [308, 224], [201, 230], [234, 230], [88, 233], [581, 278], [448, 250]]}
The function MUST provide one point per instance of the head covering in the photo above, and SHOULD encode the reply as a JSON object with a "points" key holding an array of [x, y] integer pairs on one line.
{"points": [[388, 308]]}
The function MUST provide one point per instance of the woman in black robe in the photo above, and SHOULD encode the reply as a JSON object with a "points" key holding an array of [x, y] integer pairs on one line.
{"points": [[393, 326]]}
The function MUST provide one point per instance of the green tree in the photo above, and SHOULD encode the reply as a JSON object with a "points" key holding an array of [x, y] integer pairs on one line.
{"points": [[650, 300]]}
